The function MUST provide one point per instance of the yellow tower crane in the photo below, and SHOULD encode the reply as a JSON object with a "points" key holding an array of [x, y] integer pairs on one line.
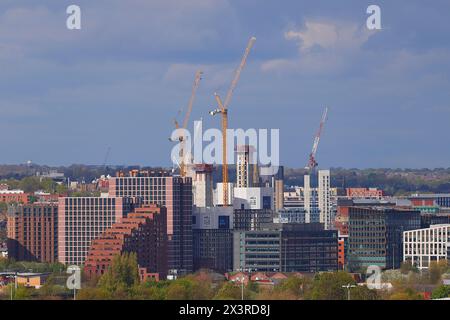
{"points": [[223, 110], [182, 138]]}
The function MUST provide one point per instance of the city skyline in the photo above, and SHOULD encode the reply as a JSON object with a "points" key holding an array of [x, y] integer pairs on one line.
{"points": [[69, 95]]}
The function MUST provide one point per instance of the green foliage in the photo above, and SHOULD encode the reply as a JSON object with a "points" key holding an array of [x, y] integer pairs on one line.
{"points": [[329, 286], [436, 270], [440, 292], [27, 266], [230, 291], [406, 294], [121, 277], [364, 293], [407, 267], [294, 287]]}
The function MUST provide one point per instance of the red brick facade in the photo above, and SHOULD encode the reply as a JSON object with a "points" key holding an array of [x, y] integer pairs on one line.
{"points": [[144, 232]]}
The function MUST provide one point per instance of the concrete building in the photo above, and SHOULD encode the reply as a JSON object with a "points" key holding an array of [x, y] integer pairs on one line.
{"points": [[308, 248], [202, 185], [246, 167], [143, 232], [252, 219], [286, 248], [213, 238], [33, 232], [290, 215], [172, 192], [376, 235], [423, 246], [310, 201], [257, 250], [324, 202], [253, 198], [83, 219], [218, 194]]}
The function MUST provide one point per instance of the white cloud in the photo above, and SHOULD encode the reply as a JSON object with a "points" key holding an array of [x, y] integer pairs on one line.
{"points": [[323, 46]]}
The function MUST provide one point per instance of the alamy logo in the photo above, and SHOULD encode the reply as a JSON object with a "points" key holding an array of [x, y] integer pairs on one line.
{"points": [[74, 20], [373, 277], [74, 280], [374, 20], [192, 150]]}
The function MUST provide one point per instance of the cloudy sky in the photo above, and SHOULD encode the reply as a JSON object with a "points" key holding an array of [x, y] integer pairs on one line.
{"points": [[66, 96]]}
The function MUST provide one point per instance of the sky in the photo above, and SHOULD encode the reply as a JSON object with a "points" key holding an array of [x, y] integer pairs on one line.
{"points": [[66, 96]]}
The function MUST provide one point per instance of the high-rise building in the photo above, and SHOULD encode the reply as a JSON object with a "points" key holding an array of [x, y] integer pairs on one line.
{"points": [[421, 247], [310, 201], [257, 250], [246, 167], [172, 192], [278, 186], [288, 247], [252, 219], [324, 194], [202, 185], [33, 232], [213, 238], [143, 232], [83, 219], [376, 234], [308, 248], [255, 198]]}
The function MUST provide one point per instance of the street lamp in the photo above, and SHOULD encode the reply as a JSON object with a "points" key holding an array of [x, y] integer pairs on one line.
{"points": [[348, 287]]}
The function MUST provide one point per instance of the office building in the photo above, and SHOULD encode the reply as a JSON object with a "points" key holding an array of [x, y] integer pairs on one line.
{"points": [[257, 250], [308, 248], [290, 247], [213, 238], [33, 232], [83, 219], [376, 234], [172, 192], [421, 247], [324, 202], [143, 232], [253, 198], [249, 219]]}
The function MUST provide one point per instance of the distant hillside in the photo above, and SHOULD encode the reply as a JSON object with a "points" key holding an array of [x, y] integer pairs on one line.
{"points": [[392, 181]]}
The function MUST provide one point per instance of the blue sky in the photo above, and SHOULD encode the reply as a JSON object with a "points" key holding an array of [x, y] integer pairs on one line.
{"points": [[66, 96]]}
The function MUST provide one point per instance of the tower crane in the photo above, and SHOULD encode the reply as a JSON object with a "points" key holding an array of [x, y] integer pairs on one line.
{"points": [[223, 110], [182, 138], [312, 163]]}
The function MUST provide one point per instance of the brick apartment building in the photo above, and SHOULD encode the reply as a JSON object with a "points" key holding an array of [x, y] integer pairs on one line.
{"points": [[14, 196], [143, 232], [33, 232], [172, 192], [82, 219]]}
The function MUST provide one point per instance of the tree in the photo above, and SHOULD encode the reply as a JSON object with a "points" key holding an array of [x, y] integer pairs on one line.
{"points": [[436, 269], [364, 293], [121, 276], [329, 286], [440, 292], [406, 294], [406, 267], [229, 291], [293, 287]]}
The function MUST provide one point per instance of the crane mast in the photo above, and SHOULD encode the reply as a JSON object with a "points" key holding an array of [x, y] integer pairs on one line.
{"points": [[223, 110], [182, 138], [312, 163]]}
